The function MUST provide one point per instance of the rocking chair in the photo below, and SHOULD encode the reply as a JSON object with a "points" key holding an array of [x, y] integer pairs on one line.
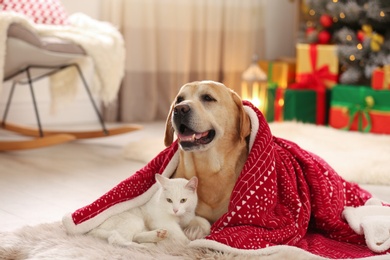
{"points": [[30, 58]]}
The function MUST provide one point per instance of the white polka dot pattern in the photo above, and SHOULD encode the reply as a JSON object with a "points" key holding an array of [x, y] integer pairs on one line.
{"points": [[284, 196], [39, 11]]}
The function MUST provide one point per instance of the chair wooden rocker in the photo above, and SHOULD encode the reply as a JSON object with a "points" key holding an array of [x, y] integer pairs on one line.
{"points": [[30, 58]]}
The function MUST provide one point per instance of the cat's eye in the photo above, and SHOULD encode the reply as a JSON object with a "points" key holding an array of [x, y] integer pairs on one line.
{"points": [[169, 200], [183, 200]]}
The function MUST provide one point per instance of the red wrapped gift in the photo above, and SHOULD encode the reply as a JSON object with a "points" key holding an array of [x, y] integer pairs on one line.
{"points": [[279, 104], [360, 108], [381, 78]]}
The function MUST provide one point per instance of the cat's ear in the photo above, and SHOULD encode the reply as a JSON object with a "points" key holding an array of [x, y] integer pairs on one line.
{"points": [[192, 184], [160, 179]]}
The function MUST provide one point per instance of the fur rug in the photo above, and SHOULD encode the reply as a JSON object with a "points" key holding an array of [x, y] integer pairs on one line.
{"points": [[367, 158], [49, 241], [358, 157]]}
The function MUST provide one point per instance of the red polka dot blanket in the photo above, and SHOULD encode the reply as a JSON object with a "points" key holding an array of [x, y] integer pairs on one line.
{"points": [[286, 198]]}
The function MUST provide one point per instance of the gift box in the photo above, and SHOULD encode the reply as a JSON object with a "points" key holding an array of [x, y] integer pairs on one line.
{"points": [[282, 72], [360, 108], [317, 64], [279, 104], [381, 78], [299, 105], [270, 114], [316, 72]]}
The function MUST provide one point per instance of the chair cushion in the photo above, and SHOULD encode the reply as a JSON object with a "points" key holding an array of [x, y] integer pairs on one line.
{"points": [[40, 11], [25, 47], [20, 32]]}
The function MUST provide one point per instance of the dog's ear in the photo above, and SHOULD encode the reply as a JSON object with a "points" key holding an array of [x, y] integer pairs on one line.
{"points": [[245, 122], [168, 140]]}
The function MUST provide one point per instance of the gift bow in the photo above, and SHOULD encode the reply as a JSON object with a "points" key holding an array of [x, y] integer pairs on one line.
{"points": [[315, 80], [362, 111], [376, 39]]}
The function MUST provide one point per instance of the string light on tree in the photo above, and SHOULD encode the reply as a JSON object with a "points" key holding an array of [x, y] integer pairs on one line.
{"points": [[360, 29]]}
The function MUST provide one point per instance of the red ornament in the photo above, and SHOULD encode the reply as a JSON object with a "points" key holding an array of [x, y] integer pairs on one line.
{"points": [[360, 35], [326, 20], [309, 30], [324, 37]]}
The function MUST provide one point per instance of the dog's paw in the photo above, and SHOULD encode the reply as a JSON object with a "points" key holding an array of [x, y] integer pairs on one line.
{"points": [[198, 228]]}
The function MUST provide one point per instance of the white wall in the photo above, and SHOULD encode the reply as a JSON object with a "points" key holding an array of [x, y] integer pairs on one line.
{"points": [[281, 26]]}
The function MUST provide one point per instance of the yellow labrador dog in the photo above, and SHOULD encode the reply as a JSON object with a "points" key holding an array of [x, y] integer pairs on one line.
{"points": [[212, 129]]}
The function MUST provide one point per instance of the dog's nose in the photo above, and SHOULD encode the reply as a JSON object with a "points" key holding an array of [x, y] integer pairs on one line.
{"points": [[182, 109]]}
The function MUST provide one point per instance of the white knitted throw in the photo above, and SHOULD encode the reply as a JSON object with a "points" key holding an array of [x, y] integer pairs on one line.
{"points": [[101, 41]]}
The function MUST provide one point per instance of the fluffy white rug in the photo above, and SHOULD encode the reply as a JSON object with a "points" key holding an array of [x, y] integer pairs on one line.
{"points": [[49, 241], [358, 157]]}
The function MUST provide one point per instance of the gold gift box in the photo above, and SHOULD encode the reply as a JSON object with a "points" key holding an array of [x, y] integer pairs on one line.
{"points": [[283, 71], [326, 55]]}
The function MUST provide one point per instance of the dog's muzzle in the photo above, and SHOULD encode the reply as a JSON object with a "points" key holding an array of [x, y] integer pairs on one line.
{"points": [[188, 137]]}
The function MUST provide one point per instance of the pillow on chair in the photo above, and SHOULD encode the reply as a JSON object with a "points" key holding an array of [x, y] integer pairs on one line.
{"points": [[40, 11]]}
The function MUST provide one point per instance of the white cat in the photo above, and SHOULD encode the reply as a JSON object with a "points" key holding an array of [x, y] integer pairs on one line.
{"points": [[170, 210]]}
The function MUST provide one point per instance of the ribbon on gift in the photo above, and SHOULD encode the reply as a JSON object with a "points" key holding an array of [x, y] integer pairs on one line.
{"points": [[361, 111], [279, 104], [270, 82], [386, 79], [315, 80]]}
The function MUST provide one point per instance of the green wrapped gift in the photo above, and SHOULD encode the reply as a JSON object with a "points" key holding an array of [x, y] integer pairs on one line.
{"points": [[360, 108], [271, 91], [300, 105], [270, 115]]}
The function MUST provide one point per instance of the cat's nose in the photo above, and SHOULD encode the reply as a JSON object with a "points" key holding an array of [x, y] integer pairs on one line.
{"points": [[175, 210]]}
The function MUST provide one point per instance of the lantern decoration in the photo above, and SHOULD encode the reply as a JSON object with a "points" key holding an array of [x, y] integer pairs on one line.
{"points": [[254, 86]]}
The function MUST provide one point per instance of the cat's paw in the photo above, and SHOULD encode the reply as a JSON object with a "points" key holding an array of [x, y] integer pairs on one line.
{"points": [[161, 234], [198, 228]]}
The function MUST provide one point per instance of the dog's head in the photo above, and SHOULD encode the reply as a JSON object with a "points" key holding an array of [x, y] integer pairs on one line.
{"points": [[203, 113]]}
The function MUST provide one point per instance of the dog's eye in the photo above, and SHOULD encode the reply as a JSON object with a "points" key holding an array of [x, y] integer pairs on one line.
{"points": [[208, 98], [179, 99]]}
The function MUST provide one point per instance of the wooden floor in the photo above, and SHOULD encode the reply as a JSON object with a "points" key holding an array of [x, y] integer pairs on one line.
{"points": [[41, 185]]}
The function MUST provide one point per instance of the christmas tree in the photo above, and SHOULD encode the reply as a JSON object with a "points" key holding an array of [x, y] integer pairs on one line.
{"points": [[360, 28]]}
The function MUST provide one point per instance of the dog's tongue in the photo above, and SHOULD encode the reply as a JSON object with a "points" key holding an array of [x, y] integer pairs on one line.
{"points": [[191, 137]]}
